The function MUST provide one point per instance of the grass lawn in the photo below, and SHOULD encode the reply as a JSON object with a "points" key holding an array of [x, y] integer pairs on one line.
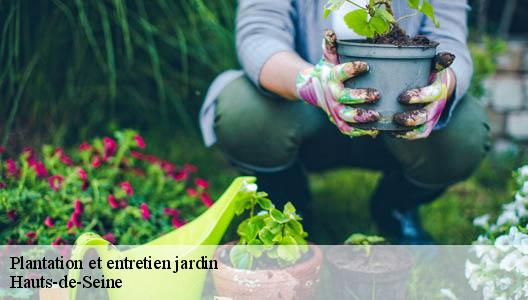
{"points": [[341, 196]]}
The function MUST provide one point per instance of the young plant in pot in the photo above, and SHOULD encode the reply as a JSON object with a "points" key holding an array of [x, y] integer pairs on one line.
{"points": [[271, 259], [399, 65], [366, 267]]}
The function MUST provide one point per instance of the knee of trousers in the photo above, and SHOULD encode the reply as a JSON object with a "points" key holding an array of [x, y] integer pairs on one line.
{"points": [[256, 132], [451, 156]]}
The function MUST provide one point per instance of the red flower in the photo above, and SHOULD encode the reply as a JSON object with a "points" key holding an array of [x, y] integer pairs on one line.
{"points": [[112, 201], [2, 185], [63, 157], [188, 168], [192, 192], [176, 222], [69, 224], [12, 169], [31, 235], [58, 241], [110, 237], [40, 169], [28, 153], [110, 147], [167, 167], [145, 212], [123, 203], [75, 219], [171, 211], [2, 150], [96, 161], [49, 222], [55, 182], [78, 207], [139, 141], [153, 159], [206, 199], [201, 183], [179, 176], [85, 147], [127, 188], [82, 174], [12, 215], [136, 154]]}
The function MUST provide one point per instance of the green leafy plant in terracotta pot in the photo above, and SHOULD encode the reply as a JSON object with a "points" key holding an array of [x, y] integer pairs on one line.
{"points": [[271, 252]]}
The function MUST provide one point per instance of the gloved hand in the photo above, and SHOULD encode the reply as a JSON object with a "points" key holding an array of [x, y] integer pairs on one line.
{"points": [[322, 86], [434, 95]]}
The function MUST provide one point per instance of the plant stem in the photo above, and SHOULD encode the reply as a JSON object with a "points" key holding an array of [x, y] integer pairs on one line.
{"points": [[355, 4], [407, 16]]}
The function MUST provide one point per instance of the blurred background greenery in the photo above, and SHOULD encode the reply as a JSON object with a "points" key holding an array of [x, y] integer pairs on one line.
{"points": [[72, 69]]}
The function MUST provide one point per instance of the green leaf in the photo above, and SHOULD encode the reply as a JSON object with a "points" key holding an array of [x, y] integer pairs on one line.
{"points": [[266, 236], [272, 253], [332, 5], [295, 226], [383, 13], [240, 204], [265, 203], [272, 226], [326, 13], [288, 240], [379, 25], [357, 20], [278, 216], [413, 3], [242, 229], [289, 210], [240, 257], [289, 251], [277, 238], [255, 248], [428, 10]]}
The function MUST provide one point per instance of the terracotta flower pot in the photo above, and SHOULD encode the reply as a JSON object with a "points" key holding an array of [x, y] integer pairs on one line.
{"points": [[298, 281], [384, 273]]}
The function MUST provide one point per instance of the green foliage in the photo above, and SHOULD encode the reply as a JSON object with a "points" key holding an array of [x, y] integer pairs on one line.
{"points": [[361, 239], [366, 241], [275, 234], [109, 63], [377, 18], [484, 57], [108, 186]]}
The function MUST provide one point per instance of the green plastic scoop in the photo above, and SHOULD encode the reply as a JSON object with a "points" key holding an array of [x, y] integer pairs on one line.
{"points": [[207, 229]]}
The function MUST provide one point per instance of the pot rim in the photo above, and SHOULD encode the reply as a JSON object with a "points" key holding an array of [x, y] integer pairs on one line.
{"points": [[315, 260], [362, 43]]}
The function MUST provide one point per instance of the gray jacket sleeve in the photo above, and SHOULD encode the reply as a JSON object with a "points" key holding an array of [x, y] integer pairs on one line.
{"points": [[452, 36], [263, 28]]}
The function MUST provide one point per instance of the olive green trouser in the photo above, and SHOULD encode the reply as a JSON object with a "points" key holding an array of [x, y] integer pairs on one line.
{"points": [[267, 136]]}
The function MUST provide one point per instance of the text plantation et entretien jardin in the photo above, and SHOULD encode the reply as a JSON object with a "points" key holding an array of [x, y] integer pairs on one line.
{"points": [[59, 263]]}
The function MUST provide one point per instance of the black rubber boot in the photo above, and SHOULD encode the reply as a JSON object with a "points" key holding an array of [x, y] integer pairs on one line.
{"points": [[394, 208]]}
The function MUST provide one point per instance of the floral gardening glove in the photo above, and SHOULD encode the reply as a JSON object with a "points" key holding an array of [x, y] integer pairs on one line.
{"points": [[434, 95], [322, 86]]}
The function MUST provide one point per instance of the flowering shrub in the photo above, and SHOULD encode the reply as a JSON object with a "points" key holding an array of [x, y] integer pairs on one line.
{"points": [[502, 251], [109, 186]]}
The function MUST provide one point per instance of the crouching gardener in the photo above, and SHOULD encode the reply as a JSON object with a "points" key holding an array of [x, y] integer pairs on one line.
{"points": [[260, 120]]}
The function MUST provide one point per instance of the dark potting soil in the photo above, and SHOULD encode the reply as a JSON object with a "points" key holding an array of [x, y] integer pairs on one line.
{"points": [[381, 260], [399, 37]]}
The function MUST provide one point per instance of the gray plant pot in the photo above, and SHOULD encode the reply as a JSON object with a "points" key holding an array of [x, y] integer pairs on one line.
{"points": [[393, 70]]}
